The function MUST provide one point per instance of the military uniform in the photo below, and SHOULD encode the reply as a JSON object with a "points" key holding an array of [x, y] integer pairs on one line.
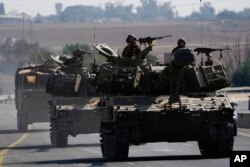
{"points": [[180, 44], [131, 50], [76, 60]]}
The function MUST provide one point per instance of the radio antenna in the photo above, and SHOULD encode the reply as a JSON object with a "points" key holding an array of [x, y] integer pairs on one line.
{"points": [[201, 23], [94, 49]]}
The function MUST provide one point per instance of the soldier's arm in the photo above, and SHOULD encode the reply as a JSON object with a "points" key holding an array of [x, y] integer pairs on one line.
{"points": [[144, 52]]}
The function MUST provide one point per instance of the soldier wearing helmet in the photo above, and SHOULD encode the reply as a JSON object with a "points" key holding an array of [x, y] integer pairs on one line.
{"points": [[181, 43], [132, 49], [76, 60]]}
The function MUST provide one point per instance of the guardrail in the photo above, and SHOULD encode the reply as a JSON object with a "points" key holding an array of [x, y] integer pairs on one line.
{"points": [[7, 99]]}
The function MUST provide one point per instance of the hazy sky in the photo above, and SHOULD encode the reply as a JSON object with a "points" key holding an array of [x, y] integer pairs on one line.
{"points": [[184, 7]]}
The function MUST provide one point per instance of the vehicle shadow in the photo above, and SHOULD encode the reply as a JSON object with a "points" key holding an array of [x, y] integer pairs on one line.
{"points": [[102, 161], [13, 131], [43, 148]]}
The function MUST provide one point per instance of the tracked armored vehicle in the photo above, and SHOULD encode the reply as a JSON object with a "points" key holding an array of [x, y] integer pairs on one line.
{"points": [[73, 100], [30, 97], [141, 103]]}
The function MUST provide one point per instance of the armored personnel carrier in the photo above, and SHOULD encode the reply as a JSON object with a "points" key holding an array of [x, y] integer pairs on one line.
{"points": [[30, 93], [141, 103], [73, 100]]}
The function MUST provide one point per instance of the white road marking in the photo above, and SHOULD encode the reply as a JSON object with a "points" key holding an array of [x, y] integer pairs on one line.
{"points": [[243, 134], [189, 145]]}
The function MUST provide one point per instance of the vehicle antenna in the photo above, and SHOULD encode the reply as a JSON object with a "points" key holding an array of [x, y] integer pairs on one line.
{"points": [[94, 49], [201, 23]]}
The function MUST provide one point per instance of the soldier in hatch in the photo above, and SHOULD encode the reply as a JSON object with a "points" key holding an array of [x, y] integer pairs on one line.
{"points": [[132, 49], [182, 56], [76, 60], [181, 43]]}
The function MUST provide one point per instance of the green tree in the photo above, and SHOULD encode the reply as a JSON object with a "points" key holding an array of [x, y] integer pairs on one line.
{"points": [[20, 52], [241, 77], [194, 16], [166, 11], [81, 13], [117, 10], [148, 10], [208, 12], [245, 14], [229, 15], [2, 9]]}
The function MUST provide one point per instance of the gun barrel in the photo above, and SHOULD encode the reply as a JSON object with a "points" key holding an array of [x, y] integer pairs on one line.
{"points": [[160, 37], [208, 50]]}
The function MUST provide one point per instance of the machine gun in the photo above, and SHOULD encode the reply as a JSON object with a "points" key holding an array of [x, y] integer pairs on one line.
{"points": [[149, 40], [207, 52]]}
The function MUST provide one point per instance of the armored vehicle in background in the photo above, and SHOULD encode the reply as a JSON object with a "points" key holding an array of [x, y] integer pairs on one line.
{"points": [[73, 100], [141, 103], [30, 97]]}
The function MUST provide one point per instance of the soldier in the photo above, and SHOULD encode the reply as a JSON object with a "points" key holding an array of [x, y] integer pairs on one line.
{"points": [[182, 57], [76, 60], [181, 43], [132, 49]]}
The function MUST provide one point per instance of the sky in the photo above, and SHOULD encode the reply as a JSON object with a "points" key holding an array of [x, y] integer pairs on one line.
{"points": [[46, 7]]}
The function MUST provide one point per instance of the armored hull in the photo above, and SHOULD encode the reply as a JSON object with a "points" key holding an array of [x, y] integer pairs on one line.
{"points": [[72, 116], [136, 120], [72, 105]]}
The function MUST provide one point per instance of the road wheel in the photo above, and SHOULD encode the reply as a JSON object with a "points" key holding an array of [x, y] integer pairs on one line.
{"points": [[219, 143], [114, 142], [22, 122], [58, 133]]}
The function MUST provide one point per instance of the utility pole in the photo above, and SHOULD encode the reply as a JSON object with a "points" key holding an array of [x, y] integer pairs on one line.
{"points": [[23, 27]]}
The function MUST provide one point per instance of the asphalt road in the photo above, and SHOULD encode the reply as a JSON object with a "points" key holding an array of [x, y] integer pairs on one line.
{"points": [[34, 149]]}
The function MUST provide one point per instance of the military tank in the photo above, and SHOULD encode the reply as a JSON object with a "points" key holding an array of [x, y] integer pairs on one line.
{"points": [[30, 92], [141, 103], [73, 99]]}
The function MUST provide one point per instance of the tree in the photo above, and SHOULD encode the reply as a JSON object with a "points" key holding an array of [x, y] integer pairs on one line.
{"points": [[2, 9], [166, 11], [245, 14], [194, 16], [19, 53], [238, 54], [226, 14], [117, 10], [241, 77], [81, 13], [208, 12], [148, 10]]}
